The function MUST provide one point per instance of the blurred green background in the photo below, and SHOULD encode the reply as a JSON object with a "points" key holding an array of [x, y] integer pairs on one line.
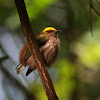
{"points": [[75, 75]]}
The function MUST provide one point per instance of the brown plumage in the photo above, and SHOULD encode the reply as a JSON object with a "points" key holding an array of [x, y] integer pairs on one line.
{"points": [[49, 47], [22, 53]]}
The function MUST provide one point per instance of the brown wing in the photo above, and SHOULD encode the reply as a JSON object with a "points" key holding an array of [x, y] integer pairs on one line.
{"points": [[23, 53]]}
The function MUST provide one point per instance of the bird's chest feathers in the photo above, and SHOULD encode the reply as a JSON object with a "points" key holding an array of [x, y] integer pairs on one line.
{"points": [[52, 43], [50, 49]]}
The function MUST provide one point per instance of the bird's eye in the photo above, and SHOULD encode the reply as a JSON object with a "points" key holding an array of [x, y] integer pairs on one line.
{"points": [[49, 31]]}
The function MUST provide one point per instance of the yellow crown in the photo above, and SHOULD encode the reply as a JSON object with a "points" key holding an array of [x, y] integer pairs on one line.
{"points": [[48, 28]]}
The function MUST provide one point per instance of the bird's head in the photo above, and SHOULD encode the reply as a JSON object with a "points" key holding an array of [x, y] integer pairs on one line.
{"points": [[50, 32]]}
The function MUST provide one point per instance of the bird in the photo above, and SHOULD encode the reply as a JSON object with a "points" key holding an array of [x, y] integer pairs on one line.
{"points": [[49, 45]]}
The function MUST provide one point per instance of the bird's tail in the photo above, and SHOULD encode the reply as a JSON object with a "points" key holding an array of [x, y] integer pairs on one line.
{"points": [[20, 68]]}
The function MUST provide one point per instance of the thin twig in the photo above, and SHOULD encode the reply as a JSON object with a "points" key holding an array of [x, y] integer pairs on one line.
{"points": [[90, 2], [97, 12], [3, 58], [92, 7]]}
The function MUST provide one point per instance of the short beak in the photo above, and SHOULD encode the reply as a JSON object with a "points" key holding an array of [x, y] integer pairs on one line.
{"points": [[57, 31]]}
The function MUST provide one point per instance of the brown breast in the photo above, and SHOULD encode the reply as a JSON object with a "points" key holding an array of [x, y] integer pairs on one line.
{"points": [[50, 50]]}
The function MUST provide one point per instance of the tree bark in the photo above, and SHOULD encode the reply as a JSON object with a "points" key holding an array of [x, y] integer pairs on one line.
{"points": [[34, 49]]}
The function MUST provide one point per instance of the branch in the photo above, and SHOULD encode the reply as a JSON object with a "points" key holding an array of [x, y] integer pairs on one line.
{"points": [[34, 49], [92, 7], [3, 58], [95, 10]]}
